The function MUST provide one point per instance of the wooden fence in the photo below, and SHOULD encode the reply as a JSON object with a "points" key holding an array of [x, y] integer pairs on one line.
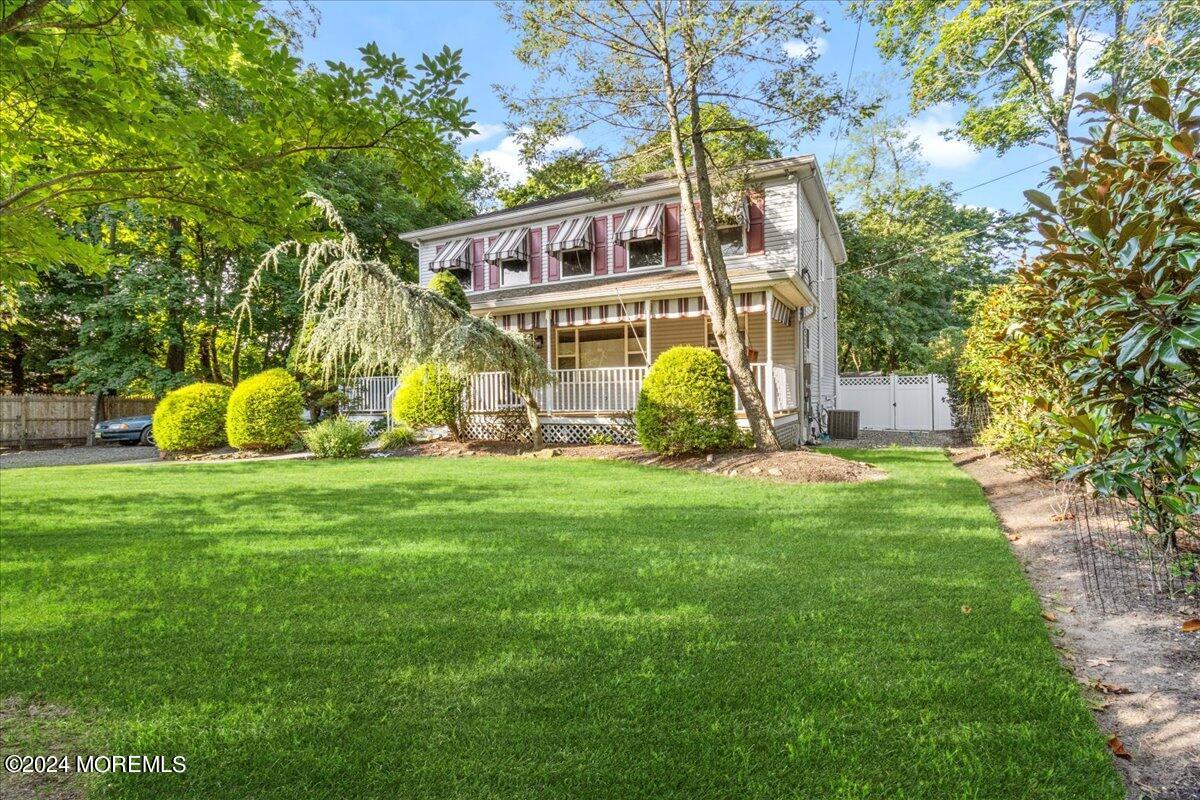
{"points": [[32, 420]]}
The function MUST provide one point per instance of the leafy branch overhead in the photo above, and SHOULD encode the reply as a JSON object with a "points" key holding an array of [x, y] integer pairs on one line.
{"points": [[211, 118]]}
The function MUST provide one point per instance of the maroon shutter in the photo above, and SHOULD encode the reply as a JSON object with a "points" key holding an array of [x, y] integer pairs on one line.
{"points": [[477, 265], [755, 239], [551, 258], [535, 255], [618, 261], [671, 233], [599, 246], [493, 268]]}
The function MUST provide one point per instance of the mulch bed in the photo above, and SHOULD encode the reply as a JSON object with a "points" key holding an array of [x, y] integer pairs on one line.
{"points": [[787, 466]]}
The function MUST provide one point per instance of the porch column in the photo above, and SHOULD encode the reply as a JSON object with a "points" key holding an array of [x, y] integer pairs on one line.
{"points": [[549, 358], [770, 378], [649, 341]]}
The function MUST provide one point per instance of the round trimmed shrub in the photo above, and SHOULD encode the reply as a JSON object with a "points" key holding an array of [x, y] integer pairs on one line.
{"points": [[430, 395], [264, 412], [191, 418], [686, 404]]}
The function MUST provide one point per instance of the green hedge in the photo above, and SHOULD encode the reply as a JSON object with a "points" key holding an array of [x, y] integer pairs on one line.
{"points": [[191, 418], [686, 404], [445, 284], [428, 396], [264, 412]]}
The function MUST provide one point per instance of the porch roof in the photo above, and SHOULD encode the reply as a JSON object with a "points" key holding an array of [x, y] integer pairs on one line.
{"points": [[637, 286]]}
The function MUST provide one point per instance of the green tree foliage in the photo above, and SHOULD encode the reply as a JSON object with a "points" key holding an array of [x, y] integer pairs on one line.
{"points": [[191, 418], [1007, 361], [193, 109], [729, 140], [567, 172], [445, 284], [431, 396], [1119, 283], [999, 58], [686, 404], [264, 412]]}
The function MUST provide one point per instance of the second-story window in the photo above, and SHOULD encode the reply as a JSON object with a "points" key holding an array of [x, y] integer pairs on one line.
{"points": [[514, 272], [732, 239], [576, 263], [645, 253]]}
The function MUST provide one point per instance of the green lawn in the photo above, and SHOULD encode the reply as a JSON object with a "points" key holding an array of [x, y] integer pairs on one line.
{"points": [[511, 628]]}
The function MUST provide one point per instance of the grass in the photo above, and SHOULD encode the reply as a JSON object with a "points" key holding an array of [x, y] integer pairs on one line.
{"points": [[538, 629]]}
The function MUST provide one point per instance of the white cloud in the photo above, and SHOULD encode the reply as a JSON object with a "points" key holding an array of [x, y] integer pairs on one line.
{"points": [[1090, 50], [936, 149], [483, 132], [506, 156], [798, 49]]}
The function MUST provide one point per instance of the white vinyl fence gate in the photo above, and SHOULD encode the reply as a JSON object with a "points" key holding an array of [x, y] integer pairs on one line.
{"points": [[897, 402]]}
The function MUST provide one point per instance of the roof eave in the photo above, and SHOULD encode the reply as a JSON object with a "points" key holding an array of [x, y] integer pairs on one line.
{"points": [[658, 188]]}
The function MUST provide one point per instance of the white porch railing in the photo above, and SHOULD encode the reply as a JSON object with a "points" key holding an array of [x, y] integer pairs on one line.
{"points": [[599, 390], [370, 395]]}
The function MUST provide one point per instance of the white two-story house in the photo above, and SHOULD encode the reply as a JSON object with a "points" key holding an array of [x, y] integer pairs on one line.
{"points": [[605, 284]]}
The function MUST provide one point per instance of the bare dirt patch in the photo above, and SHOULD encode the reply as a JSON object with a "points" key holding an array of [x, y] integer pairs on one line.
{"points": [[787, 466], [1139, 672], [29, 727]]}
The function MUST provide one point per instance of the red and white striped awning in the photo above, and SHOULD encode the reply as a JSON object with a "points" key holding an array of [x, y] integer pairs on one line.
{"points": [[455, 255], [530, 321], [608, 314], [635, 311], [574, 234], [509, 246], [680, 307], [782, 313], [644, 222], [732, 209]]}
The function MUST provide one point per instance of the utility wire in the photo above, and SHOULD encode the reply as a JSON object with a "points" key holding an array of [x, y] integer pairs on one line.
{"points": [[837, 137]]}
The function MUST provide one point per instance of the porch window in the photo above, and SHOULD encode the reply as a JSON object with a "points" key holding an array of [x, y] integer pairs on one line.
{"points": [[575, 263], [514, 272], [610, 346], [645, 253]]}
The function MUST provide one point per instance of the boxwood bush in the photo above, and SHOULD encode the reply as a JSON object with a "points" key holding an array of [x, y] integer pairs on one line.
{"points": [[686, 404], [430, 395], [191, 418], [336, 437], [264, 412]]}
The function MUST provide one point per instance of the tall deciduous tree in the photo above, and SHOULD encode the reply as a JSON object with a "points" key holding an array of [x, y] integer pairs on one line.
{"points": [[642, 68], [1017, 65], [197, 110]]}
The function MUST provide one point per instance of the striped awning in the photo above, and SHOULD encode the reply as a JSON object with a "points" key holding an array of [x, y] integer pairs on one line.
{"points": [[574, 234], [782, 313], [509, 246], [530, 321], [455, 255], [644, 222], [680, 307], [732, 209], [608, 314]]}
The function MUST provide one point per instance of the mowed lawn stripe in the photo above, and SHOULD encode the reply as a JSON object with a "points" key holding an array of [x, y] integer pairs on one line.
{"points": [[534, 629]]}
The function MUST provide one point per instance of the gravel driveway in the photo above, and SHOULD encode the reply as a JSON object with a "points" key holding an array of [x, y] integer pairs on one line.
{"points": [[72, 456]]}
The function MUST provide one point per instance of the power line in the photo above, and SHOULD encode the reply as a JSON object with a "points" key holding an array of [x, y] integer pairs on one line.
{"points": [[969, 235], [837, 137]]}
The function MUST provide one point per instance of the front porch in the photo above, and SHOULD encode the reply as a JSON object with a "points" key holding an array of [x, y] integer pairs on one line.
{"points": [[598, 356]]}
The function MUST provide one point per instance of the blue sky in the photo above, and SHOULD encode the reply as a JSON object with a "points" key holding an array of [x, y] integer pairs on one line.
{"points": [[410, 28]]}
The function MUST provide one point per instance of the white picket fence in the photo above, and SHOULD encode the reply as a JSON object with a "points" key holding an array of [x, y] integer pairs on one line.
{"points": [[897, 402]]}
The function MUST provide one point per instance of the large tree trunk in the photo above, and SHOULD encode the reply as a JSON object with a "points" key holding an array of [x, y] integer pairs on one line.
{"points": [[706, 252], [176, 355]]}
